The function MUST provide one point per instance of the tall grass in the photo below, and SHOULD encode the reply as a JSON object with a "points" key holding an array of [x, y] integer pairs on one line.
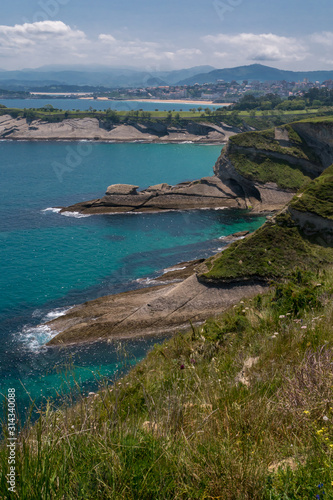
{"points": [[183, 424]]}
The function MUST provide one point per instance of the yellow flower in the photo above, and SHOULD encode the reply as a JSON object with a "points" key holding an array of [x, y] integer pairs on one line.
{"points": [[331, 445], [320, 432], [306, 412]]}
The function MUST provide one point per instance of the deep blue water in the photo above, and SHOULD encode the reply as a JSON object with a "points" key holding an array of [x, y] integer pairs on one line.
{"points": [[49, 262], [83, 104]]}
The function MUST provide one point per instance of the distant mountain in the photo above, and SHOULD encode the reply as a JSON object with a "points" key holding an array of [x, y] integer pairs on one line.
{"points": [[256, 72], [103, 76], [107, 77]]}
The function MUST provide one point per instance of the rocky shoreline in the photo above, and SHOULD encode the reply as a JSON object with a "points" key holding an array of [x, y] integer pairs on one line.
{"points": [[91, 129], [208, 192], [169, 303]]}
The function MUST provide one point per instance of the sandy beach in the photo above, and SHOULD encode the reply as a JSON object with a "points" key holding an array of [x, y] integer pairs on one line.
{"points": [[160, 101], [182, 101]]}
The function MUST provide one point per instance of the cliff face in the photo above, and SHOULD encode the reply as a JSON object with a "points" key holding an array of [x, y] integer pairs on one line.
{"points": [[93, 129], [268, 167], [319, 136], [313, 208], [301, 235]]}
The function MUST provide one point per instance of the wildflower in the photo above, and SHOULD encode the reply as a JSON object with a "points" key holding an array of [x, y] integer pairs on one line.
{"points": [[193, 361], [303, 327], [325, 418], [320, 485], [318, 496], [182, 367], [320, 432], [306, 412], [331, 446], [282, 316]]}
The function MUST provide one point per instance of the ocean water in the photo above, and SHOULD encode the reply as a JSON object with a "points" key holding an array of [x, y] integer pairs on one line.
{"points": [[85, 104], [50, 262]]}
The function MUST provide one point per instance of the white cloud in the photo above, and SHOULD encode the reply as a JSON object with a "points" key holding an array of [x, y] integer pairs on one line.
{"points": [[324, 38], [262, 47], [146, 50], [54, 42], [42, 41]]}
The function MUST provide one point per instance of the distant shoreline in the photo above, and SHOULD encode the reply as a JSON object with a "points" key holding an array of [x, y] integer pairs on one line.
{"points": [[157, 101], [181, 101]]}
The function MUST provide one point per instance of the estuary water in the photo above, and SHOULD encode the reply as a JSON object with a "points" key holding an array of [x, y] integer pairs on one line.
{"points": [[50, 262], [85, 104]]}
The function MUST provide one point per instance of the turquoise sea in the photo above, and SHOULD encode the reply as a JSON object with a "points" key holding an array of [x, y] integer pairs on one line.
{"points": [[49, 262]]}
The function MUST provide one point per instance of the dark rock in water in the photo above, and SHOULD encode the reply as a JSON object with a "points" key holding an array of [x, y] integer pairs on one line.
{"points": [[208, 192]]}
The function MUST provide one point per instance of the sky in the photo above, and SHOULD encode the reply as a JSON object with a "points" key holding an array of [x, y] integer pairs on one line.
{"points": [[155, 35]]}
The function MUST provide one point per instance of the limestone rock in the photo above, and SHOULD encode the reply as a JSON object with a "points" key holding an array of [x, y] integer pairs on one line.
{"points": [[122, 189]]}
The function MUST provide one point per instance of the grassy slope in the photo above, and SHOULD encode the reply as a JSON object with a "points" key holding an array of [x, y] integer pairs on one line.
{"points": [[272, 251], [279, 246], [317, 198], [209, 435]]}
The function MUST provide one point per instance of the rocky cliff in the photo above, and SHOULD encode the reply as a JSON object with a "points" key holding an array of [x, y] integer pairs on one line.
{"points": [[257, 170], [301, 235], [267, 168], [95, 130]]}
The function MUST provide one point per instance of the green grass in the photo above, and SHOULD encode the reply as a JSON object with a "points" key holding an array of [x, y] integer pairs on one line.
{"points": [[181, 424], [261, 121], [271, 252], [317, 198], [262, 168]]}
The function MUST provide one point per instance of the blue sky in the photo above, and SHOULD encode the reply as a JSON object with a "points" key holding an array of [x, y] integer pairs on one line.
{"points": [[172, 34]]}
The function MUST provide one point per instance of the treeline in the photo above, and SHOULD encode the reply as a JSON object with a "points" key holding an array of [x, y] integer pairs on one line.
{"points": [[314, 98]]}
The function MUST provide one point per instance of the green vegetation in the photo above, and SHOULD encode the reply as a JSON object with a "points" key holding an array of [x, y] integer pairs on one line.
{"points": [[263, 169], [260, 157], [239, 409], [314, 98], [265, 141], [317, 198], [273, 251], [260, 120]]}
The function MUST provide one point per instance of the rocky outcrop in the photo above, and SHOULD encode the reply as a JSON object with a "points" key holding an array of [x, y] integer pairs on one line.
{"points": [[258, 196], [209, 192], [93, 129], [314, 225], [319, 136], [311, 154], [149, 311]]}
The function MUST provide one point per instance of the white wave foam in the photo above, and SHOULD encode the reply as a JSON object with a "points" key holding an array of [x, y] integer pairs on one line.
{"points": [[76, 215], [52, 209], [171, 269], [56, 313], [35, 337], [145, 281]]}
